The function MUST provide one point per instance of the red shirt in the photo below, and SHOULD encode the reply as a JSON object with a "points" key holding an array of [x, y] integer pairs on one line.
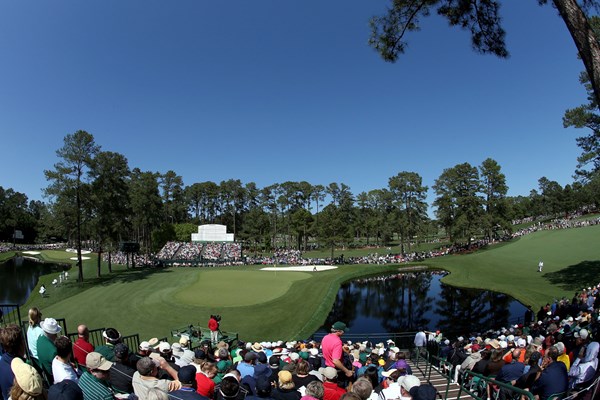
{"points": [[81, 348], [206, 386], [331, 345], [213, 324], [332, 391]]}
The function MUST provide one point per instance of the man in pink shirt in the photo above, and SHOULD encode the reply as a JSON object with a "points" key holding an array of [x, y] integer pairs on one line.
{"points": [[331, 345]]}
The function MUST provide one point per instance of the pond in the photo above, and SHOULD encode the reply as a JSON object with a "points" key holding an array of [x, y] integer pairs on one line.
{"points": [[19, 276], [408, 302]]}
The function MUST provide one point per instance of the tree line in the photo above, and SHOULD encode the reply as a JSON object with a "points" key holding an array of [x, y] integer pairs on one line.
{"points": [[94, 195]]}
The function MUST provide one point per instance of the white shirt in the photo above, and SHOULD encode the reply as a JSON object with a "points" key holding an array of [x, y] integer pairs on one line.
{"points": [[62, 371]]}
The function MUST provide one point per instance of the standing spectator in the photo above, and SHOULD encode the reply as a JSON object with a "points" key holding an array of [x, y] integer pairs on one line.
{"points": [[45, 346], [61, 365], [11, 339], [34, 331], [82, 346], [213, 325], [420, 341]]}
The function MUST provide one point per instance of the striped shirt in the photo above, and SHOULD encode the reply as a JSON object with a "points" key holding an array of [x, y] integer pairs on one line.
{"points": [[95, 389]]}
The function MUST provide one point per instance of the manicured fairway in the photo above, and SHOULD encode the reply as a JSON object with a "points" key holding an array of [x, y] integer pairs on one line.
{"points": [[571, 261]]}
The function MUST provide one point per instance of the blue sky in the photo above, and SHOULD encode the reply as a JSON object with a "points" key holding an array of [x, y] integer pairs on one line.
{"points": [[270, 91]]}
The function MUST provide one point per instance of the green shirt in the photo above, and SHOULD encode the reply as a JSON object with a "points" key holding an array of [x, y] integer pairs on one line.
{"points": [[46, 353], [94, 388]]}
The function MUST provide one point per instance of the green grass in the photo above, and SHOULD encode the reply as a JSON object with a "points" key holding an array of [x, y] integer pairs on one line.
{"points": [[285, 305], [571, 261]]}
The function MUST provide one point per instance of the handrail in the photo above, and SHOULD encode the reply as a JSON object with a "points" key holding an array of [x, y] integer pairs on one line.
{"points": [[469, 375]]}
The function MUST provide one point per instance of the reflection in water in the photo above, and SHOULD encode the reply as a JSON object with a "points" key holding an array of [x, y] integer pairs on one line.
{"points": [[19, 276], [411, 301]]}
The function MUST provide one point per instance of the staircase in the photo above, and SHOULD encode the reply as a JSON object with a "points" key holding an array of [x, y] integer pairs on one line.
{"points": [[445, 389]]}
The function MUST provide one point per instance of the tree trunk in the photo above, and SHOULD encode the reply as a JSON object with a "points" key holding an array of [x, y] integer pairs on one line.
{"points": [[79, 260], [99, 272], [585, 39], [109, 261]]}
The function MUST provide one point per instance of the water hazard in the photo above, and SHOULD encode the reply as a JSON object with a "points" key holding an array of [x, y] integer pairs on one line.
{"points": [[410, 301]]}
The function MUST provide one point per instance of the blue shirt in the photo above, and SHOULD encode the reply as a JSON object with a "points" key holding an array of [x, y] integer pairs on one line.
{"points": [[511, 372], [554, 379], [6, 375]]}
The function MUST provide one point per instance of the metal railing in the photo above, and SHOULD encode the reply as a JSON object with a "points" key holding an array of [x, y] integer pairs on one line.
{"points": [[10, 314]]}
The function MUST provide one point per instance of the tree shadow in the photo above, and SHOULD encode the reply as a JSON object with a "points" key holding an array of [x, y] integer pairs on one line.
{"points": [[575, 277]]}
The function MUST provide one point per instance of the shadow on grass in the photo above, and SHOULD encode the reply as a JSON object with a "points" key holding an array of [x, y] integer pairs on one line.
{"points": [[123, 276], [575, 277]]}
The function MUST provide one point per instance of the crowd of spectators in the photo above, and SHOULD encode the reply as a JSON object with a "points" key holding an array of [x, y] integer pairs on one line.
{"points": [[553, 352]]}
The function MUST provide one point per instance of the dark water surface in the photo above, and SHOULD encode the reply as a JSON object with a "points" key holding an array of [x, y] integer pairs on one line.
{"points": [[19, 276], [410, 301]]}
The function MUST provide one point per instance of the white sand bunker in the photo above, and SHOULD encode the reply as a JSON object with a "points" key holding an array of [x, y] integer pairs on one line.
{"points": [[75, 258], [33, 253], [75, 251], [304, 268]]}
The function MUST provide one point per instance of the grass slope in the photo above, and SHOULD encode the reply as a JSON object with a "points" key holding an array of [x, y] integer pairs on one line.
{"points": [[571, 261]]}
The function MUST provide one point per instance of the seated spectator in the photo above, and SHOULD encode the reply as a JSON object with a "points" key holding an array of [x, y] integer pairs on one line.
{"points": [[509, 373], [204, 383], [553, 379], [187, 377], [34, 331], [28, 382], [121, 374], [531, 371], [363, 388], [11, 339], [45, 346], [301, 375], [144, 350], [65, 390], [585, 366], [145, 378], [82, 346], [230, 388], [263, 390], [332, 390], [285, 390], [112, 337], [62, 367], [314, 391], [94, 382]]}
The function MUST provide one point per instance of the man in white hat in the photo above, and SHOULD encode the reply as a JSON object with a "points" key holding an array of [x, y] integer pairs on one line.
{"points": [[45, 346]]}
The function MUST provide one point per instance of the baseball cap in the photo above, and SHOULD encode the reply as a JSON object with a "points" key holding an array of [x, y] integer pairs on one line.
{"points": [[97, 361], [339, 326]]}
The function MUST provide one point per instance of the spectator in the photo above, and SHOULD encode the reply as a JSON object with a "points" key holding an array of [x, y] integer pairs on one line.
{"points": [[363, 388], [585, 366], [230, 389], [187, 377], [145, 378], [332, 390], [45, 346], [62, 367], [301, 375], [121, 374], [94, 382], [11, 339], [246, 367], [82, 346], [112, 337], [28, 382], [205, 384], [332, 348], [34, 331], [285, 389], [65, 390], [553, 379], [314, 391]]}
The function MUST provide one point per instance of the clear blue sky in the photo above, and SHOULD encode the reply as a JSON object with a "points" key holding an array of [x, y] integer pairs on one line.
{"points": [[270, 91]]}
